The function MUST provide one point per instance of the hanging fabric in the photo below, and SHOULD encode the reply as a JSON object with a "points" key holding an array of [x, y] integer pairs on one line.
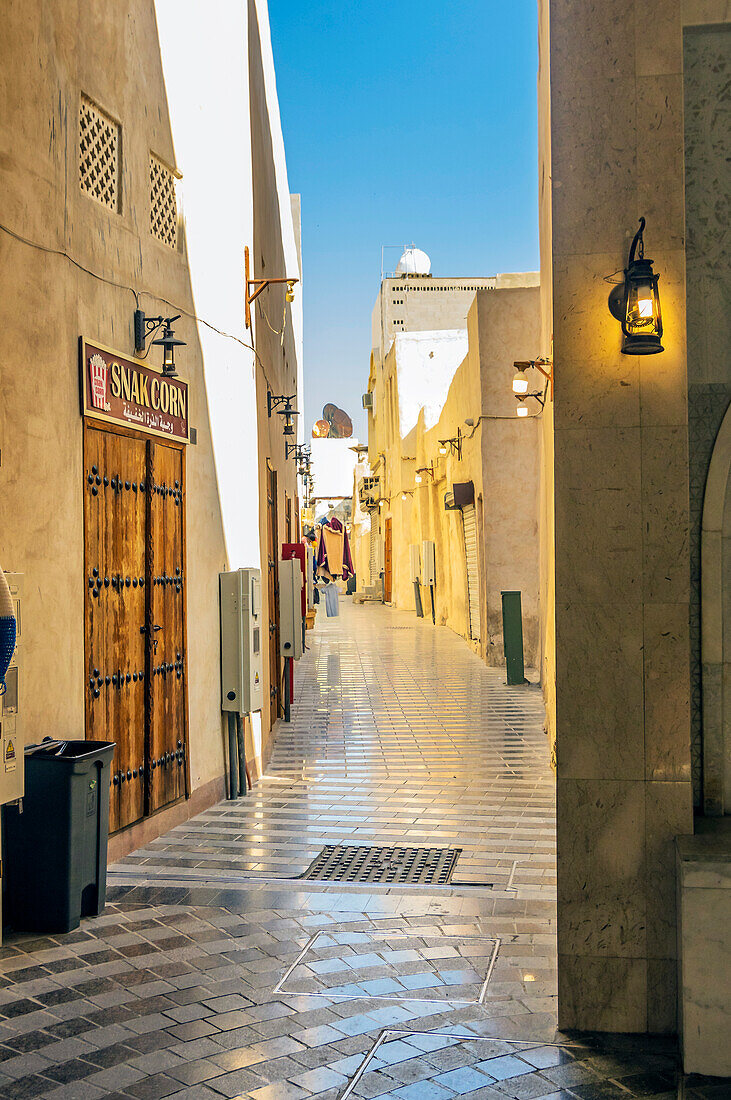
{"points": [[332, 607], [333, 551]]}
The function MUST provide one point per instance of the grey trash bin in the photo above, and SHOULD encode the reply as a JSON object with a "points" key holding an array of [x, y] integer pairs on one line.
{"points": [[56, 849]]}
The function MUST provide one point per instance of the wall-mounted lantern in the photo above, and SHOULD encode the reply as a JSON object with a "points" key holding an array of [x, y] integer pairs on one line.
{"points": [[520, 380], [144, 328], [303, 462], [287, 411], [424, 471], [300, 452], [635, 302], [453, 445], [254, 288], [521, 383]]}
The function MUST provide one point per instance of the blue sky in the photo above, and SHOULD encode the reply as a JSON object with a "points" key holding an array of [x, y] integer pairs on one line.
{"points": [[402, 121]]}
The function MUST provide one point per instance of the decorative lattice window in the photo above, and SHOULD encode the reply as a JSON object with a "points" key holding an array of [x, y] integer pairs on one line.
{"points": [[163, 207], [99, 149]]}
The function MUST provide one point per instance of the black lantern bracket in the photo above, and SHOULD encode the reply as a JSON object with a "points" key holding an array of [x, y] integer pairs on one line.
{"points": [[540, 397], [254, 287], [452, 446], [273, 402], [635, 302], [282, 404], [428, 470], [145, 327], [299, 450]]}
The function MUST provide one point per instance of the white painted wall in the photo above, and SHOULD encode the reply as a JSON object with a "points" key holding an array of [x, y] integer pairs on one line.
{"points": [[289, 238], [206, 76], [333, 464], [426, 363]]}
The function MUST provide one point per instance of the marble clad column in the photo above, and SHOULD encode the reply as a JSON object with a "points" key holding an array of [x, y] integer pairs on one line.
{"points": [[621, 512]]}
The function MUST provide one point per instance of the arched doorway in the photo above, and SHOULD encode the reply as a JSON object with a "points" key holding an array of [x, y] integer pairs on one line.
{"points": [[716, 627]]}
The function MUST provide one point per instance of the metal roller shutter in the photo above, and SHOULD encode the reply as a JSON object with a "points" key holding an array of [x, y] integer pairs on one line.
{"points": [[469, 519], [374, 551]]}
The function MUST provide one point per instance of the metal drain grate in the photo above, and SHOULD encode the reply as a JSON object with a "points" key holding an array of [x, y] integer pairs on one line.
{"points": [[355, 863]]}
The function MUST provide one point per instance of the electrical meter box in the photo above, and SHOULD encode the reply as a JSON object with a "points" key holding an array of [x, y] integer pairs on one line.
{"points": [[310, 571], [428, 563], [290, 608], [241, 641], [414, 562], [11, 742]]}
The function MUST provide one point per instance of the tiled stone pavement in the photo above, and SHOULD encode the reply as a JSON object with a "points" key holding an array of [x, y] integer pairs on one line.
{"points": [[208, 978], [399, 734]]}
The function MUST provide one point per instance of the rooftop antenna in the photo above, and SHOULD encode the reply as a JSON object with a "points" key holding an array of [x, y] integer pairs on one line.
{"points": [[400, 248]]}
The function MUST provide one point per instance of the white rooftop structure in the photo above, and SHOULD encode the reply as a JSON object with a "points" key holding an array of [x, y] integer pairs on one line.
{"points": [[413, 262], [333, 462]]}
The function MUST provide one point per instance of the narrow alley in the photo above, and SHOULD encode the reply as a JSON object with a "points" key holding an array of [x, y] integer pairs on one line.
{"points": [[214, 973], [400, 736]]}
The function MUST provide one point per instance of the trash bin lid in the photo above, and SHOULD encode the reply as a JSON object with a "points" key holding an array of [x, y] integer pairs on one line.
{"points": [[68, 750]]}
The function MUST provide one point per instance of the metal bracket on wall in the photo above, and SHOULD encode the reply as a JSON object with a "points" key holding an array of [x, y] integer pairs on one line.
{"points": [[254, 287]]}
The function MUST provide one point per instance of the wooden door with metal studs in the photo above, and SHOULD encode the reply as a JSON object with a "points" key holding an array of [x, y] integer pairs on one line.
{"points": [[166, 627], [135, 617], [115, 475], [275, 662]]}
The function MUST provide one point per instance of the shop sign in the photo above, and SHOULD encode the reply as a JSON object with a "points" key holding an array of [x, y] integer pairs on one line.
{"points": [[125, 391]]}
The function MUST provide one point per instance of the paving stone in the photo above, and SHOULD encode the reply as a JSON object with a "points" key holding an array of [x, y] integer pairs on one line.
{"points": [[397, 738]]}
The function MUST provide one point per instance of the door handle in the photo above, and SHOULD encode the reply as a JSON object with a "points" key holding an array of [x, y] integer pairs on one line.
{"points": [[155, 627]]}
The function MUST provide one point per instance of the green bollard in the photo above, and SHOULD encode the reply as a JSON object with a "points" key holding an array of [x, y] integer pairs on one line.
{"points": [[513, 638]]}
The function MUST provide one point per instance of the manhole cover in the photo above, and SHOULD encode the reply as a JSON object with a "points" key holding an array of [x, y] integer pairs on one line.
{"points": [[356, 863]]}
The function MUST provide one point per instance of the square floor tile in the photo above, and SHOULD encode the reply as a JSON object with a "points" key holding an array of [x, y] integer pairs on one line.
{"points": [[394, 965], [417, 1065]]}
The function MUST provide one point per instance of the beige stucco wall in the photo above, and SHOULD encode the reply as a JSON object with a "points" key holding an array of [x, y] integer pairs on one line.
{"points": [[500, 455], [621, 511], [504, 326], [546, 507], [50, 53], [276, 358]]}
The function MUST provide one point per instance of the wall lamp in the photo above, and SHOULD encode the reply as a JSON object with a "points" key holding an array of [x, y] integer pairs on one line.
{"points": [[254, 287], [520, 379], [636, 302], [520, 382], [299, 450], [144, 328], [286, 411], [429, 470], [454, 445], [303, 465]]}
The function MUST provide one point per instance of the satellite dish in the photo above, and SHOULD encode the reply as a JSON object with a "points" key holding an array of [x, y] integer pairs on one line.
{"points": [[320, 429], [341, 426]]}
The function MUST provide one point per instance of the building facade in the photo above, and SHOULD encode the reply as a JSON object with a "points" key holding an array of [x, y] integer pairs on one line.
{"points": [[277, 334], [635, 465], [448, 457], [127, 490]]}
